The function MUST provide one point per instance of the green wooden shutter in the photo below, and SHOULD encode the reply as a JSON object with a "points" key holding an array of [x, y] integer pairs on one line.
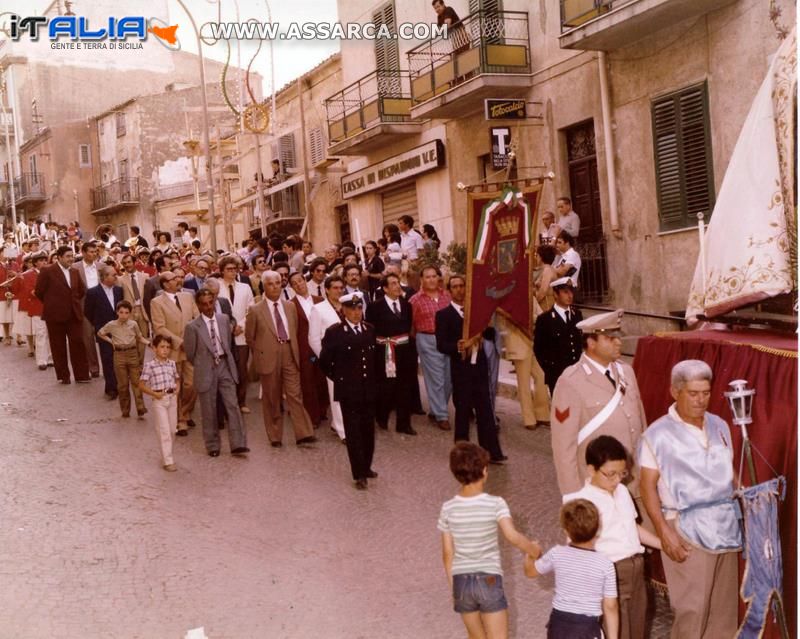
{"points": [[683, 162], [387, 53]]}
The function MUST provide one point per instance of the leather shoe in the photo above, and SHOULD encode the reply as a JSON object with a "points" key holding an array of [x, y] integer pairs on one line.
{"points": [[372, 474], [82, 381], [190, 423], [499, 461], [245, 410], [276, 444], [112, 396], [531, 426], [409, 431], [543, 424], [213, 453], [432, 417], [43, 367], [64, 381], [126, 415], [306, 440], [344, 441], [96, 375], [182, 433], [382, 425], [361, 484], [242, 450], [443, 424], [170, 468]]}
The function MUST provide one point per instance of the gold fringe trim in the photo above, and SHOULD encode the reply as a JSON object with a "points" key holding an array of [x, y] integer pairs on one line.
{"points": [[659, 587], [779, 352]]}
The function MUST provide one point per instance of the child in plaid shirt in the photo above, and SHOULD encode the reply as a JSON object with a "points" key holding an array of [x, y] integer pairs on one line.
{"points": [[159, 379]]}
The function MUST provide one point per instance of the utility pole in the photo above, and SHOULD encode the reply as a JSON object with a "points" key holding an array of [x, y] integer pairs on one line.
{"points": [[6, 117]]}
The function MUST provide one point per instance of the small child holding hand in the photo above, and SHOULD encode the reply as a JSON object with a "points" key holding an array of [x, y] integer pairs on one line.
{"points": [[586, 584]]}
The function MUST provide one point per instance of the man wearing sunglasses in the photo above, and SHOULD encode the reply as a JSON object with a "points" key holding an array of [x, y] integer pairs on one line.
{"points": [[598, 395]]}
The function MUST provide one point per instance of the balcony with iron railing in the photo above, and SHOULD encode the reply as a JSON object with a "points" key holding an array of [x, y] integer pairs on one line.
{"points": [[116, 194], [487, 52], [373, 111], [606, 25], [29, 191]]}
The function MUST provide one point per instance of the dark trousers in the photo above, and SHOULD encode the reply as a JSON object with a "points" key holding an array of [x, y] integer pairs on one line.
{"points": [[359, 431], [58, 334], [568, 625], [242, 357], [395, 395], [107, 360], [471, 392]]}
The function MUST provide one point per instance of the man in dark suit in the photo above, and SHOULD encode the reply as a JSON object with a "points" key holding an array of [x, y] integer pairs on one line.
{"points": [[208, 347], [470, 380], [152, 286], [397, 358], [61, 290], [87, 269], [100, 309], [557, 342], [348, 358]]}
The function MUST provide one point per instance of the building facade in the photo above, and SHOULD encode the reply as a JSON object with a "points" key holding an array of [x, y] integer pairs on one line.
{"points": [[635, 107]]}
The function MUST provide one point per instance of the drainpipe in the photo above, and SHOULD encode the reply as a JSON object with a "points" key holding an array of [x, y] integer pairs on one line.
{"points": [[608, 140]]}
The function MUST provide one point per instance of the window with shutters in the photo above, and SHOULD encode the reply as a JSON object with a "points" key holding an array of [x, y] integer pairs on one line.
{"points": [[491, 24], [283, 151], [683, 161], [84, 157], [316, 146], [387, 52]]}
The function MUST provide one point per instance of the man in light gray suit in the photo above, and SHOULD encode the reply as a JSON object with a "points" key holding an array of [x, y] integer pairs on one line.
{"points": [[207, 344]]}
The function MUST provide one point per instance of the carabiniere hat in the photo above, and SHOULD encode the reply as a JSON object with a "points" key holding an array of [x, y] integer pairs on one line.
{"points": [[352, 300], [561, 283], [605, 323]]}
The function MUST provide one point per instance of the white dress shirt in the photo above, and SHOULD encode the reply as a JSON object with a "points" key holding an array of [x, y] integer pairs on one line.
{"points": [[65, 271], [570, 223], [618, 537], [92, 279], [307, 303], [562, 312], [458, 307], [390, 303], [317, 289], [242, 301], [323, 315], [570, 256], [281, 312], [411, 243], [109, 291]]}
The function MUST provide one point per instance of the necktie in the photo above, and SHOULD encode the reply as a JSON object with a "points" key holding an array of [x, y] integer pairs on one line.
{"points": [[567, 315], [286, 293], [610, 379], [230, 291], [357, 329], [282, 335], [178, 303], [319, 291], [135, 287], [212, 326], [396, 308]]}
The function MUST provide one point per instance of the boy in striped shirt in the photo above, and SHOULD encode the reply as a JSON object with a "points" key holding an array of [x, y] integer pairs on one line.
{"points": [[586, 584], [470, 551]]}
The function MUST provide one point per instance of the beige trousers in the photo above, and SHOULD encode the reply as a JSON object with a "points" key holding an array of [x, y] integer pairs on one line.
{"points": [[188, 395], [535, 405], [703, 594], [165, 419], [284, 380]]}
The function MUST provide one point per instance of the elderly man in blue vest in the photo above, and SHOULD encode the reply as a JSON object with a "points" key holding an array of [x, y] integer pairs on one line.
{"points": [[686, 460]]}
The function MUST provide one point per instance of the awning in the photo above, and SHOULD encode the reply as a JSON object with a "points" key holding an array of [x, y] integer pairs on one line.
{"points": [[297, 179]]}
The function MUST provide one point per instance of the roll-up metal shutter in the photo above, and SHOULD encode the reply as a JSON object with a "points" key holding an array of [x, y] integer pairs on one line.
{"points": [[400, 201]]}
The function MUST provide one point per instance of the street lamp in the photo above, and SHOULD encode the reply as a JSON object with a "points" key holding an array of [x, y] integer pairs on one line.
{"points": [[740, 399], [212, 222]]}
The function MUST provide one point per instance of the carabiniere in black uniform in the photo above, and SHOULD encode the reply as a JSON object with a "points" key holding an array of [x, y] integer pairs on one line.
{"points": [[349, 359]]}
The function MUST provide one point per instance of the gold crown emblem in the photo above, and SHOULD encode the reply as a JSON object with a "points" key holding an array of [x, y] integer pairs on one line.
{"points": [[507, 225]]}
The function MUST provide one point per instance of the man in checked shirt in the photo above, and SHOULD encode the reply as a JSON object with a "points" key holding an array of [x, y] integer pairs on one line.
{"points": [[159, 379]]}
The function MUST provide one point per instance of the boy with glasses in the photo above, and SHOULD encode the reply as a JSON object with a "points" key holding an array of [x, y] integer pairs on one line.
{"points": [[620, 538]]}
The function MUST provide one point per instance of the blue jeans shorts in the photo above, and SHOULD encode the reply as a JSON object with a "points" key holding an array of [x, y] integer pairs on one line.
{"points": [[478, 592]]}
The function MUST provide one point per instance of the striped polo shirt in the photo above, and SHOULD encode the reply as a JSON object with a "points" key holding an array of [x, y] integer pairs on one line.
{"points": [[472, 521], [583, 578]]}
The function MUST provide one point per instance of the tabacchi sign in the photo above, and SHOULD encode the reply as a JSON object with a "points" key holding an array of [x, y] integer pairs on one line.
{"points": [[126, 32], [399, 167]]}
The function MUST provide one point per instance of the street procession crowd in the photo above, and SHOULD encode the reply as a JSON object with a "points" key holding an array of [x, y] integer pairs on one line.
{"points": [[340, 338]]}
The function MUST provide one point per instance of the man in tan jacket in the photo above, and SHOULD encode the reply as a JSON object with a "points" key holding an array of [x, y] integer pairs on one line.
{"points": [[598, 395], [271, 333], [170, 312]]}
